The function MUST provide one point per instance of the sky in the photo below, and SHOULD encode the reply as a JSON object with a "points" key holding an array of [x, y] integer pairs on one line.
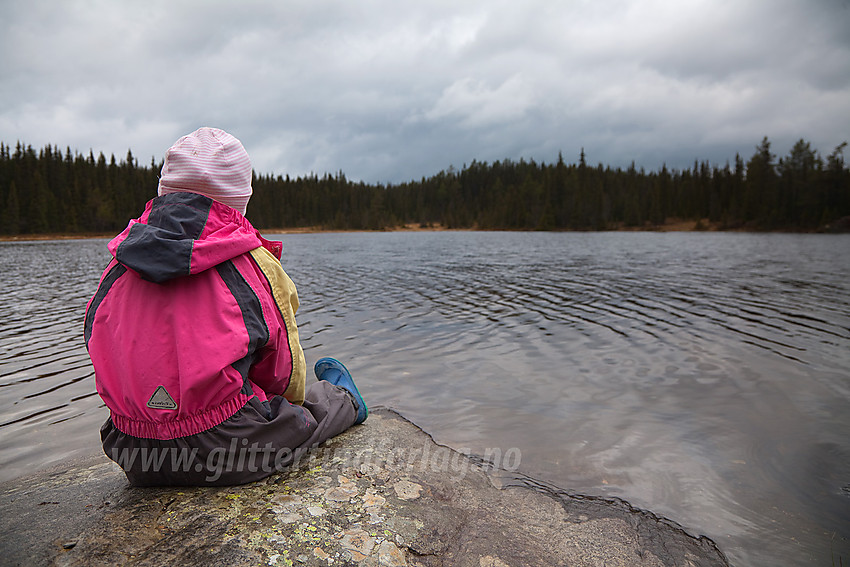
{"points": [[388, 91]]}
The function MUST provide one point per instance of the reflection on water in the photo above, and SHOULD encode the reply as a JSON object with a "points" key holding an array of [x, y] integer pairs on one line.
{"points": [[702, 376]]}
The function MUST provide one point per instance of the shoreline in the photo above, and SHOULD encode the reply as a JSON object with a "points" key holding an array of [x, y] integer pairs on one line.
{"points": [[672, 225]]}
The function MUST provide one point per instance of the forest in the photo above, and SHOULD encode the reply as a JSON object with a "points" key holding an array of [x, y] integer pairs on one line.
{"points": [[51, 192]]}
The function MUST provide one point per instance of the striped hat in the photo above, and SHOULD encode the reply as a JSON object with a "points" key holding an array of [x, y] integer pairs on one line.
{"points": [[211, 162]]}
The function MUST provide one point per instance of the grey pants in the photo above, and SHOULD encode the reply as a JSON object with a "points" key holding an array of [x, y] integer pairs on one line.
{"points": [[250, 445]]}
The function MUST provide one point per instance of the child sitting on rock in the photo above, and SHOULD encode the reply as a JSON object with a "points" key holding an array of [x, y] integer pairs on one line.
{"points": [[193, 339]]}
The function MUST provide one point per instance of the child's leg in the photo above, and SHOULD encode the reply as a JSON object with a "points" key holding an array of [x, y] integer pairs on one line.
{"points": [[331, 407], [244, 448]]}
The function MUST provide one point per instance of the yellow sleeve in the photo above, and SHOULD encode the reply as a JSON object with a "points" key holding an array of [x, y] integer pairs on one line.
{"points": [[286, 299]]}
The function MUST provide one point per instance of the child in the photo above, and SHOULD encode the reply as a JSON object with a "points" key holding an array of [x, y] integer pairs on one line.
{"points": [[193, 339]]}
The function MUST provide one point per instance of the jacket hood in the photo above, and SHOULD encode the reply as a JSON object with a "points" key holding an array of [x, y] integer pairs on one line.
{"points": [[180, 234]]}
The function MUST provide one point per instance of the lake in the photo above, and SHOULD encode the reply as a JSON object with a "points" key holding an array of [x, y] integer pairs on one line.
{"points": [[702, 376]]}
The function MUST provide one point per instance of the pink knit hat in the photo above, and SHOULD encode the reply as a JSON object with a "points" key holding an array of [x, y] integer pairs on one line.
{"points": [[211, 162]]}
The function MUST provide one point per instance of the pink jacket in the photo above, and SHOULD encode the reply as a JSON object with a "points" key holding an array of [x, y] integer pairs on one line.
{"points": [[193, 316]]}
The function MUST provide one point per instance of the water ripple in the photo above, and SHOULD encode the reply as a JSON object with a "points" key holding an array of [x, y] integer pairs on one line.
{"points": [[702, 376], [47, 395]]}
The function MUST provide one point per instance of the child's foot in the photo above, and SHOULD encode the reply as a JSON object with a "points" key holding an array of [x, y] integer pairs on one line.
{"points": [[334, 372]]}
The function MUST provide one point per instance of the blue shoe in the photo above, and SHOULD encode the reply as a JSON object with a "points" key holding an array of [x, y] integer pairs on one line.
{"points": [[334, 372]]}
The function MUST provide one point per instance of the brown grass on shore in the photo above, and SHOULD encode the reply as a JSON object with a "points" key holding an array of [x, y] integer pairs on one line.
{"points": [[675, 225], [671, 225], [54, 236], [409, 227]]}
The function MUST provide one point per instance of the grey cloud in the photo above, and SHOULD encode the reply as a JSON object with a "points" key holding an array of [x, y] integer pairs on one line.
{"points": [[389, 91]]}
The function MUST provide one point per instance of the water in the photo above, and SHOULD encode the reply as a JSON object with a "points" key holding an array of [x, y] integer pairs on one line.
{"points": [[705, 377]]}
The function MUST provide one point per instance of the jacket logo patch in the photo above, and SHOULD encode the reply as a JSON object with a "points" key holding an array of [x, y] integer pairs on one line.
{"points": [[161, 399]]}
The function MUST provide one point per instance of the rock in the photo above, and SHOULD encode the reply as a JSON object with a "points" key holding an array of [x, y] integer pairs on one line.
{"points": [[373, 499], [390, 554], [407, 490], [342, 493], [358, 542], [362, 497]]}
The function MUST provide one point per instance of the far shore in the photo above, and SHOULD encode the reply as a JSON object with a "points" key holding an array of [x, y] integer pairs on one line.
{"points": [[672, 225]]}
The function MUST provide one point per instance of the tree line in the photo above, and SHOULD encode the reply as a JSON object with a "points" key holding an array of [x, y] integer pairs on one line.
{"points": [[60, 192]]}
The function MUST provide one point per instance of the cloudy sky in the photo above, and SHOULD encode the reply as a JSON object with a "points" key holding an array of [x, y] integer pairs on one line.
{"points": [[393, 90]]}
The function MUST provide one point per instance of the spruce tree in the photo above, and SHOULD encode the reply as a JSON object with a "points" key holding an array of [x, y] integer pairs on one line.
{"points": [[10, 221]]}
